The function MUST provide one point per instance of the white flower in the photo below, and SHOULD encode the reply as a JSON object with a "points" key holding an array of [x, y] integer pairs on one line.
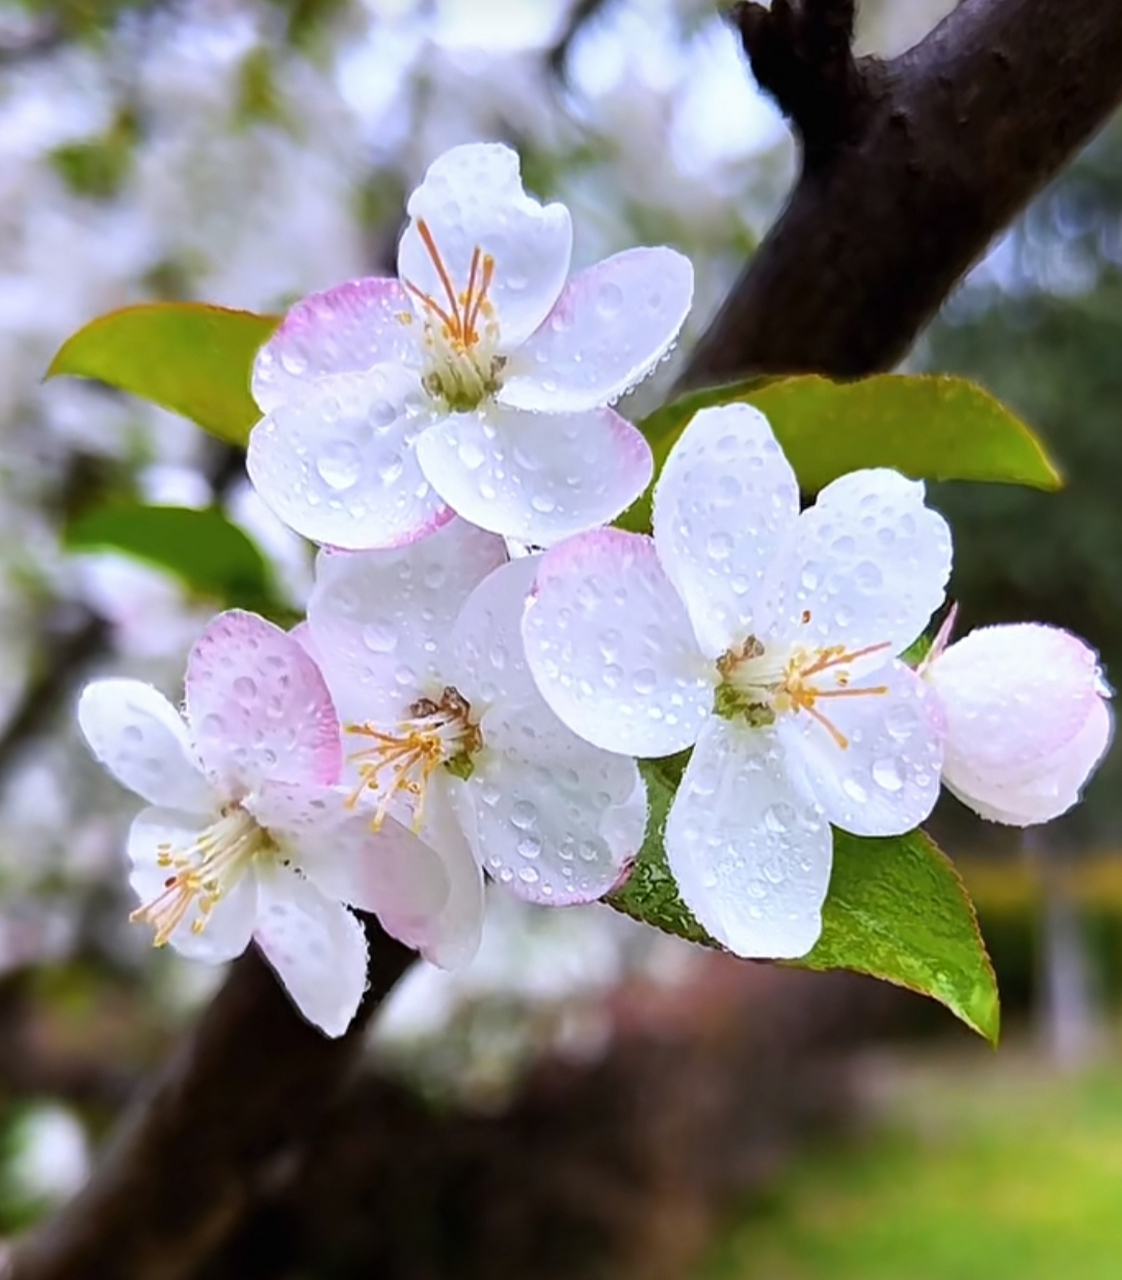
{"points": [[767, 637], [1027, 719], [421, 649], [247, 835], [477, 383]]}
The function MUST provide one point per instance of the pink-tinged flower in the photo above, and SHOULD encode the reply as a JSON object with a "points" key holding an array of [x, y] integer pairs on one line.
{"points": [[1027, 719], [445, 727], [247, 835], [765, 637], [478, 382]]}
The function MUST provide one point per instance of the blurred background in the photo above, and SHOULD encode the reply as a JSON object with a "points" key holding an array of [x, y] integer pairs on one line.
{"points": [[588, 1098]]}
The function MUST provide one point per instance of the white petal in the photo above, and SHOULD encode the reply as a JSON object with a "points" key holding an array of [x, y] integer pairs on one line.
{"points": [[751, 855], [1026, 720], [472, 197], [554, 819], [611, 648], [612, 324], [536, 477], [259, 708], [388, 871], [488, 659], [1054, 790], [347, 329], [870, 564], [315, 945], [225, 932], [380, 619], [453, 937], [339, 466], [725, 512], [884, 780], [141, 739]]}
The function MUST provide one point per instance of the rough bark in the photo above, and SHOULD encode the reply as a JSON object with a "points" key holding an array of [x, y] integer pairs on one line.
{"points": [[911, 167]]}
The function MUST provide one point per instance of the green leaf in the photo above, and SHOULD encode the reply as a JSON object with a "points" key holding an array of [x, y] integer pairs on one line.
{"points": [[928, 427], [187, 357], [200, 547], [649, 893], [896, 910]]}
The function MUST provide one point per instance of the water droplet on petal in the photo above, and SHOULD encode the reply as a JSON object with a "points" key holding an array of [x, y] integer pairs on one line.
{"points": [[339, 465], [888, 774]]}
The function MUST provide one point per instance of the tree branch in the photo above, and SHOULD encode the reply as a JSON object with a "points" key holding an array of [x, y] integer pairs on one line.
{"points": [[189, 1157], [910, 169]]}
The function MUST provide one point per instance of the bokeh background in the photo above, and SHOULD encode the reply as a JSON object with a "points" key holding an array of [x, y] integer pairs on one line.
{"points": [[587, 1099]]}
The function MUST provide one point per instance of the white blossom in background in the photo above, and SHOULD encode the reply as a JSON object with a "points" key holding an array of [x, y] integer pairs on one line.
{"points": [[1027, 719], [476, 383], [421, 649], [49, 1155], [767, 638], [247, 835]]}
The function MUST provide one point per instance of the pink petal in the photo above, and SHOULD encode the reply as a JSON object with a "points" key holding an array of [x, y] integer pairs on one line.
{"points": [[343, 330], [259, 708], [612, 324], [611, 648], [534, 477], [1026, 719]]}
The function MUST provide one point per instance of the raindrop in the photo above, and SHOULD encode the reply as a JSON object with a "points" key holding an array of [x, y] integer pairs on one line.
{"points": [[245, 689], [523, 815], [379, 637], [529, 847], [888, 774], [609, 298], [339, 465]]}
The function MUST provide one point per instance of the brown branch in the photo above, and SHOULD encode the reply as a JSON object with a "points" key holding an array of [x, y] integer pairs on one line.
{"points": [[909, 174], [189, 1158]]}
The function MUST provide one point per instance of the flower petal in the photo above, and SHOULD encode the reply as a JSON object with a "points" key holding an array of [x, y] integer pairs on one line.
{"points": [[335, 844], [870, 564], [751, 855], [222, 934], [339, 466], [141, 739], [453, 937], [554, 819], [725, 512], [316, 947], [612, 324], [611, 648], [259, 707], [348, 329], [884, 780], [536, 477], [380, 619], [1026, 720], [472, 197], [1054, 791]]}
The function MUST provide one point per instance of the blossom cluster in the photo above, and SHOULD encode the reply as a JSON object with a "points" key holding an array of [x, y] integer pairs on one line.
{"points": [[485, 660]]}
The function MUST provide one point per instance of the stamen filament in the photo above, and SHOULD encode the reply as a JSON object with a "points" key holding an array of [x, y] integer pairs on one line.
{"points": [[442, 272]]}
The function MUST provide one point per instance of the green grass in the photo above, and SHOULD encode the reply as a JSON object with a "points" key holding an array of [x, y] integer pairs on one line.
{"points": [[995, 1172]]}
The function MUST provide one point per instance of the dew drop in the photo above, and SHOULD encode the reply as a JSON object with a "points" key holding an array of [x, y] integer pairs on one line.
{"points": [[245, 689], [609, 298], [888, 774], [523, 815], [379, 637], [339, 465]]}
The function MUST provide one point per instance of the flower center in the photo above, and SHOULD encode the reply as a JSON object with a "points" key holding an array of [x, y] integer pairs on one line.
{"points": [[759, 685], [435, 733], [461, 331], [202, 874]]}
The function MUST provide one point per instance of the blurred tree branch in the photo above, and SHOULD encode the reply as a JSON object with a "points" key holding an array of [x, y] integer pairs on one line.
{"points": [[910, 168]]}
